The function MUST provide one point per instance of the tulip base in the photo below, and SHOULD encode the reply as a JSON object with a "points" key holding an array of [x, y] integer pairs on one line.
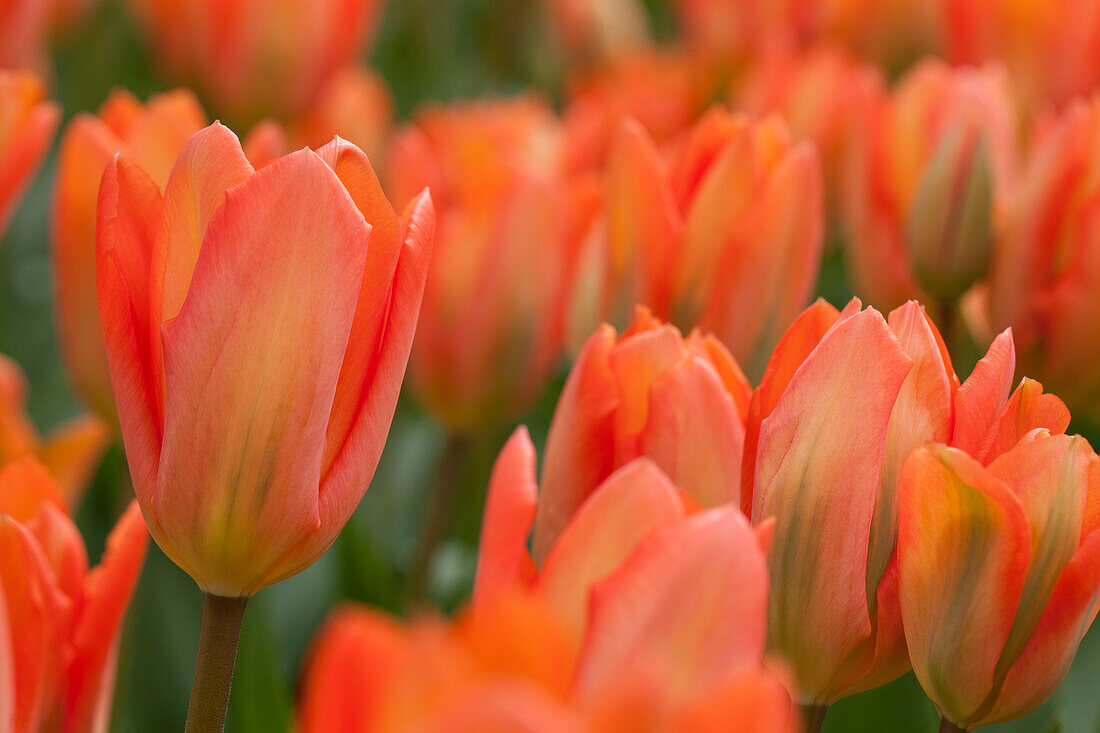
{"points": [[221, 631], [946, 726], [814, 717]]}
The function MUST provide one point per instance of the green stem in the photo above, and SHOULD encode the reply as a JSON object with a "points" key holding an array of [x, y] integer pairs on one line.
{"points": [[946, 726], [221, 630], [438, 513], [814, 717]]}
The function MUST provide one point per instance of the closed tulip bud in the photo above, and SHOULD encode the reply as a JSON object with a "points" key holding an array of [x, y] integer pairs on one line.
{"points": [[257, 326], [941, 135], [726, 236], [60, 621], [27, 125], [999, 572], [151, 135], [950, 224]]}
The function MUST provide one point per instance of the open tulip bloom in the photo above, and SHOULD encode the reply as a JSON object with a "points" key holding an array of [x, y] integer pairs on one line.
{"points": [[257, 326]]}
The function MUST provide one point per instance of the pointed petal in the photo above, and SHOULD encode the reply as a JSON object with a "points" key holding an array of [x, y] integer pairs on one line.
{"points": [[621, 512], [963, 551], [73, 452], [503, 560], [1027, 409], [23, 153], [251, 364], [983, 394]]}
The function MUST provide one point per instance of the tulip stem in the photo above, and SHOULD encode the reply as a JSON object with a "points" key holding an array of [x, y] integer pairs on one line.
{"points": [[438, 512], [946, 726], [221, 630], [814, 716]]}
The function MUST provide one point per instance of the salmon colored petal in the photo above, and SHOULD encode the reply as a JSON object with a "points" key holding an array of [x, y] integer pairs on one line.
{"points": [[357, 653], [355, 172], [95, 639], [580, 446], [636, 361], [129, 205], [255, 353], [1028, 408], [817, 472], [620, 513], [689, 603], [511, 705], [72, 454], [25, 486], [755, 699], [728, 369], [981, 397], [694, 433], [22, 155], [503, 560], [265, 142], [351, 472], [63, 548], [963, 551], [801, 338]]}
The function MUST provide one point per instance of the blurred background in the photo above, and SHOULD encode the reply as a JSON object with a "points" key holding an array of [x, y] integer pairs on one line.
{"points": [[426, 50]]}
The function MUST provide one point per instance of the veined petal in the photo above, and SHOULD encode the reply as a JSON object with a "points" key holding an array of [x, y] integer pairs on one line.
{"points": [[1028, 408], [983, 394], [621, 512], [503, 560], [251, 364], [963, 551]]}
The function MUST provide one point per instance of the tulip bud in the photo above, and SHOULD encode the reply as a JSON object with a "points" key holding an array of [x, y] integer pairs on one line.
{"points": [[257, 326], [950, 232], [27, 125]]}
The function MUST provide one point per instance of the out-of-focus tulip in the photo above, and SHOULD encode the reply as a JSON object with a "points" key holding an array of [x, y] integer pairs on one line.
{"points": [[258, 58], [71, 452], [151, 135], [725, 236], [1050, 48], [595, 28], [60, 621], [651, 392], [256, 344], [643, 615], [930, 163], [490, 329], [27, 125], [845, 398], [999, 572], [1045, 274], [23, 29]]}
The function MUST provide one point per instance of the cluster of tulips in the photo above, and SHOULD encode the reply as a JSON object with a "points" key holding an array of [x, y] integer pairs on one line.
{"points": [[751, 504]]}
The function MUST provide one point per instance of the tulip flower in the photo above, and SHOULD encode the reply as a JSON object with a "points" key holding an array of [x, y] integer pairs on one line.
{"points": [[845, 398], [24, 26], [999, 572], [491, 326], [651, 392], [27, 125], [71, 452], [1049, 47], [594, 28], [1044, 276], [151, 135], [257, 58], [726, 236], [642, 614], [931, 161], [60, 621]]}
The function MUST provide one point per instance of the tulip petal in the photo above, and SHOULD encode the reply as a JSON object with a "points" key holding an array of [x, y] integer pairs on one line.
{"points": [[251, 364], [756, 699], [817, 472], [580, 445], [503, 559], [689, 604], [621, 512], [25, 486], [963, 552], [95, 639], [1028, 408], [983, 394], [636, 361], [73, 453], [22, 155]]}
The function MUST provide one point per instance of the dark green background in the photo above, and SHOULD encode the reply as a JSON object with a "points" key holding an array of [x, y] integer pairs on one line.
{"points": [[427, 50]]}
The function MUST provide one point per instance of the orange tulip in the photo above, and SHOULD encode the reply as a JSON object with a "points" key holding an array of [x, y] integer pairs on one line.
{"points": [[593, 28], [1049, 47], [257, 58], [151, 135], [1045, 272], [71, 452], [643, 618], [845, 398], [999, 572], [650, 392], [256, 345], [726, 235], [59, 621], [27, 125], [24, 25], [929, 164], [490, 330]]}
